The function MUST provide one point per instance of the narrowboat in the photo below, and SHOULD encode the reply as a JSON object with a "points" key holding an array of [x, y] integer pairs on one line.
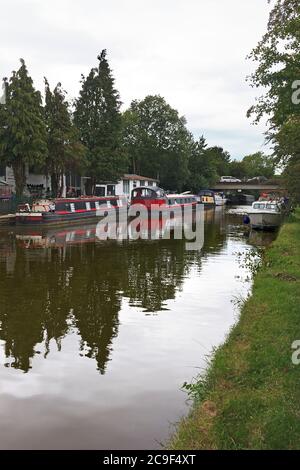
{"points": [[150, 195], [207, 198], [66, 211]]}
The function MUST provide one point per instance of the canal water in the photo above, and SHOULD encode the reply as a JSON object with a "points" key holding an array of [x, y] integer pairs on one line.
{"points": [[97, 337]]}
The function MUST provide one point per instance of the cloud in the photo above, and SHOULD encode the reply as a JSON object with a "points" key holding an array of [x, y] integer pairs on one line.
{"points": [[192, 52]]}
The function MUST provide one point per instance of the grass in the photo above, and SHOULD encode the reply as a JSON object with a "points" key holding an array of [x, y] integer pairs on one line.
{"points": [[250, 396]]}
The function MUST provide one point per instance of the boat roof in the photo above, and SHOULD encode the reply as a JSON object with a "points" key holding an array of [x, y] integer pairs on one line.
{"points": [[85, 198], [207, 192], [180, 195]]}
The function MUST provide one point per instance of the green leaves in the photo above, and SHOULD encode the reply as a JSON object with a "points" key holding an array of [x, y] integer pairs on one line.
{"points": [[98, 119], [278, 57], [65, 151], [157, 141], [22, 129]]}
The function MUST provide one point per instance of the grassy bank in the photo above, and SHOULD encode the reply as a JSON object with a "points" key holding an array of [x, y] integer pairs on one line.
{"points": [[250, 398]]}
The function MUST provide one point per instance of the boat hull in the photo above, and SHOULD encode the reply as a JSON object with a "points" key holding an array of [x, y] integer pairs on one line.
{"points": [[52, 218], [265, 220]]}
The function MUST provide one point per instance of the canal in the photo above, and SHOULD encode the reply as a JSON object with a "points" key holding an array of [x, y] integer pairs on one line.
{"points": [[97, 337]]}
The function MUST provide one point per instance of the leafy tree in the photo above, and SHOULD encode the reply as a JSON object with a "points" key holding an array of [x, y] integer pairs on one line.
{"points": [[221, 160], [157, 141], [278, 71], [291, 177], [259, 164], [65, 151], [22, 126], [238, 169], [202, 167], [98, 119]]}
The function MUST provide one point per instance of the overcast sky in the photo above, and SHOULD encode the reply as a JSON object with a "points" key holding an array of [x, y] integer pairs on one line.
{"points": [[192, 52]]}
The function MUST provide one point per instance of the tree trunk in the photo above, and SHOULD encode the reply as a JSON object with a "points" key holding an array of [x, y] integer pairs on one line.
{"points": [[55, 184], [19, 170]]}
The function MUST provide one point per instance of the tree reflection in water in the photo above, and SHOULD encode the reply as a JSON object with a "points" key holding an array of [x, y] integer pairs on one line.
{"points": [[50, 286]]}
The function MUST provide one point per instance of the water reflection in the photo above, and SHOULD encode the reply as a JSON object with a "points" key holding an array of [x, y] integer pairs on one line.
{"points": [[55, 280]]}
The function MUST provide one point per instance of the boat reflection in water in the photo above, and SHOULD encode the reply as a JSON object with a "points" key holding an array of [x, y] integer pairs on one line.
{"points": [[144, 229]]}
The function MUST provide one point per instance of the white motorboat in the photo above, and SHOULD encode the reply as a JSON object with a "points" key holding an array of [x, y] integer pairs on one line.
{"points": [[264, 215], [220, 199]]}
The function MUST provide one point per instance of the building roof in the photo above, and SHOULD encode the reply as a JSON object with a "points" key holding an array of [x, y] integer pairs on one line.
{"points": [[138, 177]]}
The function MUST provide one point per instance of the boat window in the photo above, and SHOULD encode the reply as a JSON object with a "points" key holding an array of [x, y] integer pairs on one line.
{"points": [[88, 206], [160, 193], [72, 207], [273, 207], [111, 190], [81, 205], [259, 206], [62, 206], [144, 193]]}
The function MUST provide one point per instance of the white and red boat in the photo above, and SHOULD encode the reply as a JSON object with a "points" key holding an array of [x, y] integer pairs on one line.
{"points": [[68, 211], [153, 196]]}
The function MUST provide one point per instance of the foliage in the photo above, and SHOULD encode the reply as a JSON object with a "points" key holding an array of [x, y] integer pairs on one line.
{"points": [[202, 169], [278, 71], [65, 152], [291, 177], [98, 119], [259, 164], [157, 141], [22, 126], [220, 159]]}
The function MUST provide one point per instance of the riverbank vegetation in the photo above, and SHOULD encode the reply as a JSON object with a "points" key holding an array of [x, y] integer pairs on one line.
{"points": [[249, 397]]}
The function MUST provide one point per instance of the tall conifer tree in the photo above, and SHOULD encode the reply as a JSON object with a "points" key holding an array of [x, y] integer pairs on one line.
{"points": [[97, 116], [22, 126], [65, 152]]}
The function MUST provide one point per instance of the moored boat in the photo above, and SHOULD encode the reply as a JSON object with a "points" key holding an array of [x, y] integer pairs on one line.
{"points": [[154, 196], [66, 211], [264, 215], [220, 199], [207, 198]]}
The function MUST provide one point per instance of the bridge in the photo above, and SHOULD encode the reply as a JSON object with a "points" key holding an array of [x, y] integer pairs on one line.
{"points": [[262, 187]]}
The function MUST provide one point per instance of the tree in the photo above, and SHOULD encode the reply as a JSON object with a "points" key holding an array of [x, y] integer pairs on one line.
{"points": [[157, 141], [22, 126], [220, 158], [202, 167], [98, 119], [238, 169], [259, 164], [291, 177], [65, 151], [278, 71]]}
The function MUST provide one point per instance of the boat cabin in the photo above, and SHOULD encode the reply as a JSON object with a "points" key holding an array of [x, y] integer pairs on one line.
{"points": [[156, 196], [266, 206], [148, 196], [206, 197]]}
